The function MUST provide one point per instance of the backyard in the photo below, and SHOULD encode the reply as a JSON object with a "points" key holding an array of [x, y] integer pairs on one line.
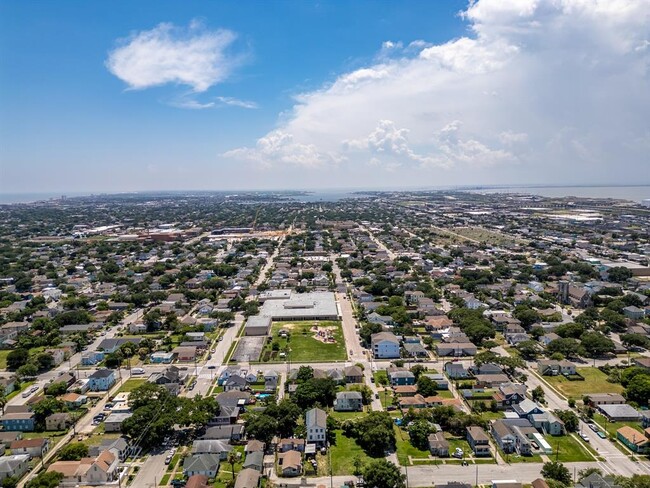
{"points": [[131, 384], [309, 341], [595, 382], [343, 454]]}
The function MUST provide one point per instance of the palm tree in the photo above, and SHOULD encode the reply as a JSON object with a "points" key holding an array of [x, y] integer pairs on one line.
{"points": [[232, 459]]}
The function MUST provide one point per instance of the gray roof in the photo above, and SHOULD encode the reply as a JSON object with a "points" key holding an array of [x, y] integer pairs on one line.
{"points": [[9, 463], [201, 462], [316, 417], [214, 446], [315, 304], [254, 459], [258, 321], [620, 411]]}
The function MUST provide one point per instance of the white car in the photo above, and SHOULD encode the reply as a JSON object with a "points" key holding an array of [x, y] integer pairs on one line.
{"points": [[584, 437]]}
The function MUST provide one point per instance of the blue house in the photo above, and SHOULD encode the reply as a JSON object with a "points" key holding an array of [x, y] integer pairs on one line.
{"points": [[20, 421], [101, 380], [401, 378], [161, 357], [92, 358]]}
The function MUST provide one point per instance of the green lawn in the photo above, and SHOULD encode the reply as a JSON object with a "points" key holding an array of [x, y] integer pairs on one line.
{"points": [[571, 449], [381, 377], [346, 415], [405, 449], [491, 415], [444, 394], [3, 358], [595, 382], [343, 454], [225, 474], [612, 427], [132, 384], [303, 345]]}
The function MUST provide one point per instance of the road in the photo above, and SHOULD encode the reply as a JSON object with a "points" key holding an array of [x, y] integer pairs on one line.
{"points": [[66, 366], [381, 245]]}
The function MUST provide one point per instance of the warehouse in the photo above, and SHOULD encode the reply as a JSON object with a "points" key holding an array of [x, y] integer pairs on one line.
{"points": [[303, 306]]}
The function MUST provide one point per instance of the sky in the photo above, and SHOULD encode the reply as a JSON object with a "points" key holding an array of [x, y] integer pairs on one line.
{"points": [[227, 95]]}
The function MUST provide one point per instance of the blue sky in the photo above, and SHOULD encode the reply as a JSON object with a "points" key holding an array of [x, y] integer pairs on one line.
{"points": [[327, 94]]}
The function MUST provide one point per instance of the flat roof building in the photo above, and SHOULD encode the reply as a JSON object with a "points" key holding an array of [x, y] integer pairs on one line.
{"points": [[302, 306]]}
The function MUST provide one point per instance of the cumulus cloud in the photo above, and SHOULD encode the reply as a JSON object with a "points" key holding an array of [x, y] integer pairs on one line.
{"points": [[192, 56], [539, 89]]}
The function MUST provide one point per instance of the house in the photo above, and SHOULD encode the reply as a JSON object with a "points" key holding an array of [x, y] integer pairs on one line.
{"points": [[9, 383], [36, 447], [353, 374], [225, 432], [548, 423], [441, 382], [58, 355], [634, 313], [456, 349], [88, 471], [58, 421], [254, 445], [247, 478], [113, 422], [596, 480], [456, 371], [635, 441], [620, 413], [291, 445], [526, 407], [235, 382], [478, 440], [161, 357], [101, 380], [416, 350], [197, 481], [119, 447], [73, 400], [254, 460], [438, 445], [491, 380], [6, 438], [21, 421], [316, 424], [290, 463], [416, 401], [348, 401], [596, 399], [13, 466], [91, 358], [185, 354], [211, 446], [400, 377], [510, 394], [385, 345], [550, 367], [203, 464], [111, 345], [405, 390], [512, 435]]}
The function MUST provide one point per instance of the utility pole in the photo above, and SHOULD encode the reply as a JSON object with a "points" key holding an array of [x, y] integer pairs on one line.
{"points": [[477, 475]]}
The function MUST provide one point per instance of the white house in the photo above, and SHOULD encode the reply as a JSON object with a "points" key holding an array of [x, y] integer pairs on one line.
{"points": [[316, 423], [385, 345]]}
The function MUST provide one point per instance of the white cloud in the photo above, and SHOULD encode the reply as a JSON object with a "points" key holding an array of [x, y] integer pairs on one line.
{"points": [[545, 89], [192, 56], [235, 102]]}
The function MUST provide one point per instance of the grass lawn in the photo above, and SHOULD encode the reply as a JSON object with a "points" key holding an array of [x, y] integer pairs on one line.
{"points": [[343, 454], [612, 427], [444, 394], [97, 439], [164, 480], [381, 377], [346, 415], [132, 384], [460, 442], [3, 358], [491, 415], [225, 474], [23, 386], [405, 449], [571, 449], [303, 344], [595, 382], [516, 458]]}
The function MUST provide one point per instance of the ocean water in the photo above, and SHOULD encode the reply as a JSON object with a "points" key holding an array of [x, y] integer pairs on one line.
{"points": [[36, 197], [633, 193]]}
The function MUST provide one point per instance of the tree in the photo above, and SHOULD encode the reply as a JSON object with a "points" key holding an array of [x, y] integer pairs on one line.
{"points": [[619, 274], [17, 358], [315, 390], [569, 418], [305, 373], [528, 349], [419, 432], [380, 473], [638, 390], [556, 471], [286, 413], [232, 459], [427, 387], [73, 451], [374, 432], [44, 361], [261, 427], [417, 370], [568, 347], [538, 394], [10, 482], [636, 481], [57, 388], [46, 479], [596, 344]]}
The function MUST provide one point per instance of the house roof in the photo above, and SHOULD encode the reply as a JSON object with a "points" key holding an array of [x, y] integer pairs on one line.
{"points": [[247, 478], [316, 418], [197, 481]]}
